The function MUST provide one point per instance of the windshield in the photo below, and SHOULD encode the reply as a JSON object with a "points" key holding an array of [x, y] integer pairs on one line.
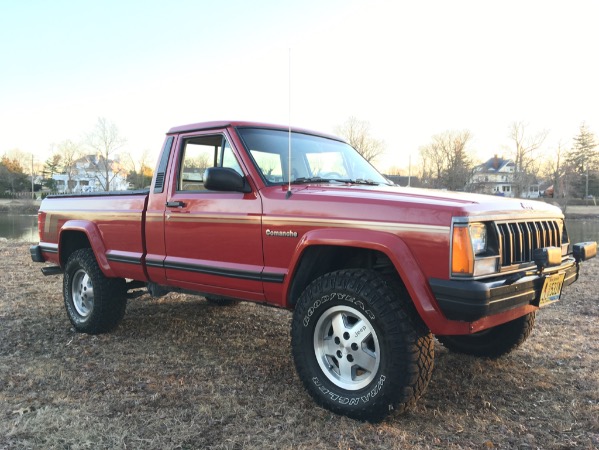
{"points": [[313, 158]]}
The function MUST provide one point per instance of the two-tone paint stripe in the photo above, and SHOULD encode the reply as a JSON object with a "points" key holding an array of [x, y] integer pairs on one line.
{"points": [[289, 221]]}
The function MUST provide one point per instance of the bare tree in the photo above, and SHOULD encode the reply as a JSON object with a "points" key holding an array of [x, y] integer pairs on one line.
{"points": [[394, 170], [105, 141], [139, 172], [357, 133], [68, 152], [526, 158], [446, 161], [556, 169]]}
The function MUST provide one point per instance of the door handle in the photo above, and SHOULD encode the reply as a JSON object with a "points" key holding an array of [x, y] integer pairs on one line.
{"points": [[177, 204]]}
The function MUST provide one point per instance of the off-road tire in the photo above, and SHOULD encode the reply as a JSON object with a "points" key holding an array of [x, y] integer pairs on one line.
{"points": [[356, 313], [494, 342], [95, 304]]}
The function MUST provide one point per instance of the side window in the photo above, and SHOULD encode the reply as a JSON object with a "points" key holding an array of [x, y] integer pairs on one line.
{"points": [[228, 158], [200, 153]]}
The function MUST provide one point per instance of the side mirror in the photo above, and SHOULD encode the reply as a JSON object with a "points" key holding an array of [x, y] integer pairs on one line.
{"points": [[225, 179]]}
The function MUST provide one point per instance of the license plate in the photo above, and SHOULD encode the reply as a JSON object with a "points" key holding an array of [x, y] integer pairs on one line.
{"points": [[552, 288]]}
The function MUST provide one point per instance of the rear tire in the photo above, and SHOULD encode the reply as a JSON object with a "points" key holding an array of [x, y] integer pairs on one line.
{"points": [[494, 342], [359, 348], [94, 303]]}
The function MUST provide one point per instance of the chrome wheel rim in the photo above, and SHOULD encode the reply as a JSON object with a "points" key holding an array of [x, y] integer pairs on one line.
{"points": [[347, 347], [82, 291]]}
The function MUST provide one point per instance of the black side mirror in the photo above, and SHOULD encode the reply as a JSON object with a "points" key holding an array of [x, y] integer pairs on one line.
{"points": [[225, 179]]}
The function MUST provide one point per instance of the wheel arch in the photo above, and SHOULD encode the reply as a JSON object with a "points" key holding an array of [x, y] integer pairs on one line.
{"points": [[323, 251], [78, 234]]}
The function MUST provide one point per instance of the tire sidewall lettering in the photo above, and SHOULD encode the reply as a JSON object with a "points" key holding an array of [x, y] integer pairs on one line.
{"points": [[403, 346], [365, 398], [333, 393], [325, 299]]}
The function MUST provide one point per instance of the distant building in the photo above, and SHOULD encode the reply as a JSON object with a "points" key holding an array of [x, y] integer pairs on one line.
{"points": [[88, 175], [402, 180], [496, 177]]}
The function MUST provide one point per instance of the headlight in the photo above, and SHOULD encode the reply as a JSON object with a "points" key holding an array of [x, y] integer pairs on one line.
{"points": [[469, 246], [478, 237]]}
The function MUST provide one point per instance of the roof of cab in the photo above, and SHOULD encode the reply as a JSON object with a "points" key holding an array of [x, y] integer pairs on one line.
{"points": [[203, 126]]}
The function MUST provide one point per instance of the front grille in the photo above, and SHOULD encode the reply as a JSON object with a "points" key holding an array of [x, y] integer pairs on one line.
{"points": [[517, 240]]}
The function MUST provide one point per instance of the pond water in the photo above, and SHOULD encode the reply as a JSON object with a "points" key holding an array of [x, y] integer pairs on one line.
{"points": [[21, 227], [582, 230]]}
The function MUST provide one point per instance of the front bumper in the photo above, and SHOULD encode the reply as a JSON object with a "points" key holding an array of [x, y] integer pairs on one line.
{"points": [[472, 300]]}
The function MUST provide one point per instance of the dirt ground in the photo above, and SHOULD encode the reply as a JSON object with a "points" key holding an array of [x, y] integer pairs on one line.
{"points": [[179, 373]]}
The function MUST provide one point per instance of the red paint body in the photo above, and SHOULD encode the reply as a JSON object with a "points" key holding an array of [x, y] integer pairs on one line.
{"points": [[218, 242]]}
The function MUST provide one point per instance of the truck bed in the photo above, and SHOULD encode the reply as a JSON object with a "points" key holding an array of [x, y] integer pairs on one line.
{"points": [[115, 219]]}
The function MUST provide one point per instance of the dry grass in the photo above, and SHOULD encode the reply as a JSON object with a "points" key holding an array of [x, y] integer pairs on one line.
{"points": [[180, 373]]}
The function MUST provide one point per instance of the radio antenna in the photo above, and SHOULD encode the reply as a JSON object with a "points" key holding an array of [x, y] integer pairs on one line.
{"points": [[289, 133]]}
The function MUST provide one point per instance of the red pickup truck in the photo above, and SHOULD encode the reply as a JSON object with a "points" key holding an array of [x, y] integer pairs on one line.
{"points": [[297, 219]]}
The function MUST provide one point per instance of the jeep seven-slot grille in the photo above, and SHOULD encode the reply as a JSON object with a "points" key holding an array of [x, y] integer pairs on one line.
{"points": [[517, 240]]}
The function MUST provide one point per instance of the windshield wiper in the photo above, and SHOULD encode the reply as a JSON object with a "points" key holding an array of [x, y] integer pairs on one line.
{"points": [[362, 181], [305, 180], [356, 181]]}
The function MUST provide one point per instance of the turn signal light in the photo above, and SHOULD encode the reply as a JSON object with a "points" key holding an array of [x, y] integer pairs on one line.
{"points": [[462, 256]]}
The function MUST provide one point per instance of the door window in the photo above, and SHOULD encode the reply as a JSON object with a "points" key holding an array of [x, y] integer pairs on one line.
{"points": [[200, 153]]}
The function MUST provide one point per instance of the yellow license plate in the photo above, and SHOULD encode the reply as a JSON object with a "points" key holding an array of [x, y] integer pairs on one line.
{"points": [[552, 288]]}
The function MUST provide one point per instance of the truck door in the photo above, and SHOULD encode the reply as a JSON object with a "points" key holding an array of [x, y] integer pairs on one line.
{"points": [[213, 239]]}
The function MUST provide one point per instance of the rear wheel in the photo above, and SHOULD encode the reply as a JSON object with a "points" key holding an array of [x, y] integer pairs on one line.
{"points": [[94, 303], [360, 349], [494, 342]]}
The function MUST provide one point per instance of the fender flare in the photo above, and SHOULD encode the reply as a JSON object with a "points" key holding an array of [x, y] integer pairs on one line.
{"points": [[394, 247], [94, 237]]}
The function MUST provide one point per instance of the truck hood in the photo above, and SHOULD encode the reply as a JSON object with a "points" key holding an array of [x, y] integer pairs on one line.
{"points": [[452, 203]]}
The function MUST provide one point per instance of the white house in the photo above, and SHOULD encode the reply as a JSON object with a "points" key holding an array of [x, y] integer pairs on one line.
{"points": [[88, 175], [496, 177]]}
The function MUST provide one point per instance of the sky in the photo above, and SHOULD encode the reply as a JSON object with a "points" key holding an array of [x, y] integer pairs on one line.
{"points": [[412, 69]]}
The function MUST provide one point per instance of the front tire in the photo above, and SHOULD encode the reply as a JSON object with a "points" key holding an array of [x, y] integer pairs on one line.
{"points": [[494, 342], [94, 303], [359, 347]]}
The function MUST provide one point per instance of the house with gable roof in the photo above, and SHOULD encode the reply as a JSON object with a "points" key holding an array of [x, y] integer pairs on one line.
{"points": [[496, 177], [88, 174]]}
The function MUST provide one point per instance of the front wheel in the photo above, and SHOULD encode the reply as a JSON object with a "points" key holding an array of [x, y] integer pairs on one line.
{"points": [[94, 303], [359, 347], [494, 342]]}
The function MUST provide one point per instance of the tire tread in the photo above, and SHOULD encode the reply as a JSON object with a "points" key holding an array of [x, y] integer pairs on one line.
{"points": [[408, 338], [109, 295]]}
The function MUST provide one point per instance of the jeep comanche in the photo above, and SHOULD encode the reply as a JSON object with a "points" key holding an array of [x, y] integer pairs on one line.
{"points": [[299, 220]]}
